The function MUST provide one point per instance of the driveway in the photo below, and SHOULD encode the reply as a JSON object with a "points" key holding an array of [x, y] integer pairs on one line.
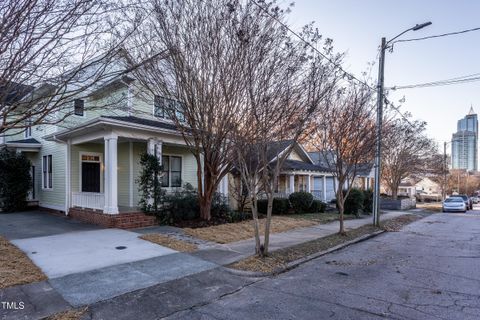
{"points": [[29, 224]]}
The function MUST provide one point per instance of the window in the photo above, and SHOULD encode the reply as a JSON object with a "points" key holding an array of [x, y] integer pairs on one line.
{"points": [[78, 106], [90, 173], [28, 129], [164, 106], [47, 170], [172, 171]]}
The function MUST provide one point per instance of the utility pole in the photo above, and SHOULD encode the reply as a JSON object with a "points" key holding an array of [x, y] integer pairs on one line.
{"points": [[444, 195], [378, 152]]}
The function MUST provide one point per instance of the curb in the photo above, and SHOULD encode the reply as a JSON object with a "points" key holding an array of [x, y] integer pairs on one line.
{"points": [[296, 263]]}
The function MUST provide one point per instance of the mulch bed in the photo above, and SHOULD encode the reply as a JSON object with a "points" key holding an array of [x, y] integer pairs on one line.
{"points": [[231, 232], [169, 242], [279, 259], [15, 266], [74, 314]]}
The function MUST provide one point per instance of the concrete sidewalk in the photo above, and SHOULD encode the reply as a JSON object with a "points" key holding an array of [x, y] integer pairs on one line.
{"points": [[224, 254]]}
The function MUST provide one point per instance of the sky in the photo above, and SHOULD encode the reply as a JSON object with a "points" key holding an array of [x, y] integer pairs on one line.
{"points": [[357, 26]]}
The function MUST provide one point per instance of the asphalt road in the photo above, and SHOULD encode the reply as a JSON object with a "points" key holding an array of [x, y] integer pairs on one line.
{"points": [[429, 270]]}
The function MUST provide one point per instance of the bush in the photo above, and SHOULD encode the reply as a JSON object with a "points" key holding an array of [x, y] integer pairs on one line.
{"points": [[280, 206], [237, 216], [15, 180], [317, 206], [354, 202], [300, 201], [368, 201], [220, 207], [181, 205]]}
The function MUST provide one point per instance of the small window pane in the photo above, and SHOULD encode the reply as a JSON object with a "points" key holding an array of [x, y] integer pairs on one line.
{"points": [[78, 107], [176, 163], [176, 179], [50, 180], [165, 177]]}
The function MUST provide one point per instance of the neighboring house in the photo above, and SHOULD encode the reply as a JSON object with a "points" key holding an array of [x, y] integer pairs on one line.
{"points": [[365, 172], [87, 165], [428, 186], [298, 173]]}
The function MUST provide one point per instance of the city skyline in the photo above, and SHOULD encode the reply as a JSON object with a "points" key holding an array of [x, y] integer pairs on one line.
{"points": [[465, 143]]}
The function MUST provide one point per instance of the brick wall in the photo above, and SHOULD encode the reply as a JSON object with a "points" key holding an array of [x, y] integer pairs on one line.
{"points": [[122, 220]]}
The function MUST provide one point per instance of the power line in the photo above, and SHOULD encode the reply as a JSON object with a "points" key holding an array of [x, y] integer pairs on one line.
{"points": [[446, 82], [335, 64], [439, 35]]}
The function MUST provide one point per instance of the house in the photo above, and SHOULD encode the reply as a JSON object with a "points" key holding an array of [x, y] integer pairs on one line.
{"points": [[299, 172], [87, 164]]}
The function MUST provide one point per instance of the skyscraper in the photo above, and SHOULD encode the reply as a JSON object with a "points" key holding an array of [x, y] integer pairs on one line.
{"points": [[465, 143]]}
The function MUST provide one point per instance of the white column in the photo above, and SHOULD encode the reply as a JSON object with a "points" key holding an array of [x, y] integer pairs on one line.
{"points": [[130, 174], [292, 183], [113, 175], [309, 182], [68, 174], [325, 188], [106, 183]]}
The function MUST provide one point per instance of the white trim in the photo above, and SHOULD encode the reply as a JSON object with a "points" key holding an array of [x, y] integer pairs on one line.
{"points": [[169, 188], [68, 173], [87, 153], [49, 174], [130, 173]]}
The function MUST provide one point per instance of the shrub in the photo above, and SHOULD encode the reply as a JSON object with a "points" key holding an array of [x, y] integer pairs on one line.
{"points": [[280, 206], [368, 201], [354, 202], [301, 201], [220, 207], [181, 205], [237, 216], [15, 180], [149, 185], [317, 206]]}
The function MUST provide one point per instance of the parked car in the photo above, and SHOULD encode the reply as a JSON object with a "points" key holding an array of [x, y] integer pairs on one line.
{"points": [[467, 200], [475, 200], [454, 204]]}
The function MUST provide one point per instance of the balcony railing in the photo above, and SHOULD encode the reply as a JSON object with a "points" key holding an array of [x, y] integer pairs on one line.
{"points": [[90, 200]]}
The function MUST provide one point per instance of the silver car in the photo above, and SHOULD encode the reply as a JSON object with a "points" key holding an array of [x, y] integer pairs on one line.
{"points": [[454, 204]]}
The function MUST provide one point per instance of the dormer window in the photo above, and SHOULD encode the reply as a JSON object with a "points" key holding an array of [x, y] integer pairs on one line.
{"points": [[78, 107], [163, 107], [28, 129]]}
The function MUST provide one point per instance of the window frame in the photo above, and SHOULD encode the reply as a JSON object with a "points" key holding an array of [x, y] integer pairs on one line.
{"points": [[169, 171], [160, 103], [47, 172], [82, 107], [95, 154]]}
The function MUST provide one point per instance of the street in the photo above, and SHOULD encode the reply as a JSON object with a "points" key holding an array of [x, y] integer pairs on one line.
{"points": [[429, 270]]}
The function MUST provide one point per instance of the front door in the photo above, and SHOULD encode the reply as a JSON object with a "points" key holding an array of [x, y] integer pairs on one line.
{"points": [[90, 177]]}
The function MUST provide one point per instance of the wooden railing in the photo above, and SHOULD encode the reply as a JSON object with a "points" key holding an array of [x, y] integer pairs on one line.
{"points": [[89, 200]]}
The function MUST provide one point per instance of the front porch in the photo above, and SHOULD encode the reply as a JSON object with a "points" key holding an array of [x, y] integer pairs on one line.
{"points": [[320, 185], [103, 167]]}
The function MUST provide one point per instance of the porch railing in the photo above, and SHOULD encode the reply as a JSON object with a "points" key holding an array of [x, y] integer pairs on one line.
{"points": [[89, 200]]}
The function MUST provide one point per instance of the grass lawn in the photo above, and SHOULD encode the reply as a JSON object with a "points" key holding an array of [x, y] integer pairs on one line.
{"points": [[280, 258], [15, 267], [169, 242], [231, 232]]}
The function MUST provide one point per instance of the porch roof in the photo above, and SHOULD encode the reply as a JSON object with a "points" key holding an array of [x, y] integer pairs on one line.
{"points": [[296, 165], [127, 126], [29, 143]]}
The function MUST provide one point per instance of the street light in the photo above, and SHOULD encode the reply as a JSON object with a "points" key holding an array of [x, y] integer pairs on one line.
{"points": [[381, 66]]}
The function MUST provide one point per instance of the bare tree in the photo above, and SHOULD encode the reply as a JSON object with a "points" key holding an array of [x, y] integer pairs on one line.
{"points": [[210, 47], [50, 52], [406, 150], [344, 136], [286, 83]]}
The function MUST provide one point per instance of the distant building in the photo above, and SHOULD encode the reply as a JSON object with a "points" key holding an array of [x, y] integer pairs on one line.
{"points": [[465, 143]]}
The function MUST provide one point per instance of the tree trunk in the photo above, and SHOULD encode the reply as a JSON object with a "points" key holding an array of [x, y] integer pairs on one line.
{"points": [[267, 224], [258, 250], [395, 193], [341, 208]]}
